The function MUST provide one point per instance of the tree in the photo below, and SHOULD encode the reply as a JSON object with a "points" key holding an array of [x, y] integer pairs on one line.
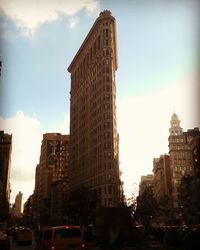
{"points": [[146, 207], [165, 211], [190, 199], [131, 201]]}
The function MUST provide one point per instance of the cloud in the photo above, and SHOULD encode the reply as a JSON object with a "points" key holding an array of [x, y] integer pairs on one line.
{"points": [[26, 144], [29, 15], [72, 22], [63, 128], [26, 141], [143, 126]]}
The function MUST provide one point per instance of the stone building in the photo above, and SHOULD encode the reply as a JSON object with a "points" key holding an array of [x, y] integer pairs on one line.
{"points": [[5, 160], [94, 142], [181, 150], [18, 207], [53, 167], [161, 177], [0, 66], [145, 182]]}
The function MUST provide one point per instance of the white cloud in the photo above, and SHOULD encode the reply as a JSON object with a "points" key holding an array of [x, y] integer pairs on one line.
{"points": [[26, 144], [26, 141], [63, 128], [143, 126], [29, 15], [72, 22]]}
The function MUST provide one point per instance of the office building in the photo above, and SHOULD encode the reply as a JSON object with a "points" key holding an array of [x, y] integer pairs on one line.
{"points": [[146, 182], [5, 160], [0, 66], [53, 167], [181, 156], [161, 177], [18, 207], [94, 142]]}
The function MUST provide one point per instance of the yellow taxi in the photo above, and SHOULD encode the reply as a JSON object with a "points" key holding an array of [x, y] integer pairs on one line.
{"points": [[60, 238]]}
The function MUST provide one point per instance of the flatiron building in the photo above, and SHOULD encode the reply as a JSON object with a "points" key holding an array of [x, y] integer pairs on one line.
{"points": [[94, 140]]}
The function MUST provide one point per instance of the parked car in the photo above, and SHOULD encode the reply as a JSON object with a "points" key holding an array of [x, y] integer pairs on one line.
{"points": [[4, 241]]}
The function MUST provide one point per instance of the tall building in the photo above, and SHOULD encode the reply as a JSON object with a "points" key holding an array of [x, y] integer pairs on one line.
{"points": [[53, 167], [181, 156], [18, 205], [161, 177], [0, 66], [94, 140], [59, 196], [146, 182], [28, 211], [5, 160]]}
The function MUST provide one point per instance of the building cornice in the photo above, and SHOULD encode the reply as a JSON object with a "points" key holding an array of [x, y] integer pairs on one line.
{"points": [[103, 15]]}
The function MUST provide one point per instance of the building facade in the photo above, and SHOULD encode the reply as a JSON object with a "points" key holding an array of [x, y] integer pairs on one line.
{"points": [[59, 196], [28, 212], [18, 207], [5, 160], [0, 66], [94, 141], [146, 182], [162, 177], [181, 156], [53, 167]]}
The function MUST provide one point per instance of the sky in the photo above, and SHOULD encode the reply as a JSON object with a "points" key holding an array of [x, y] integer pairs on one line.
{"points": [[158, 74]]}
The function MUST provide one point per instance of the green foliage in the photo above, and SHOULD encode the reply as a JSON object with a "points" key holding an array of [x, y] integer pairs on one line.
{"points": [[190, 199], [131, 201], [146, 207]]}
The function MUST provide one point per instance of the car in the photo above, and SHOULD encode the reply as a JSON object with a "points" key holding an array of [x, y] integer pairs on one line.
{"points": [[24, 236], [4, 241], [60, 238]]}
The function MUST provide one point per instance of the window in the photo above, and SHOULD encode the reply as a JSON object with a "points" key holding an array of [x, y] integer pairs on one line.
{"points": [[108, 155], [67, 233], [95, 47], [107, 106], [90, 54], [98, 43], [108, 88], [109, 189], [110, 201]]}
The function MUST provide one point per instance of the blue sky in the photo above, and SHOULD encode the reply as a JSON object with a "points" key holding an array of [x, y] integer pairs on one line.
{"points": [[157, 74]]}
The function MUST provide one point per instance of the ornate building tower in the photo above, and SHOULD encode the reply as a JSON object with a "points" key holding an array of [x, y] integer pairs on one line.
{"points": [[93, 133], [175, 128], [181, 158]]}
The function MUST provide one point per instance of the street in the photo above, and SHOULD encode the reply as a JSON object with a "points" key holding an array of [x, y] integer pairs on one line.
{"points": [[153, 245], [14, 246]]}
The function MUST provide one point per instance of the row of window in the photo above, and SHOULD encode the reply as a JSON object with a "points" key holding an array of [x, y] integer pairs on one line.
{"points": [[96, 46], [183, 147]]}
